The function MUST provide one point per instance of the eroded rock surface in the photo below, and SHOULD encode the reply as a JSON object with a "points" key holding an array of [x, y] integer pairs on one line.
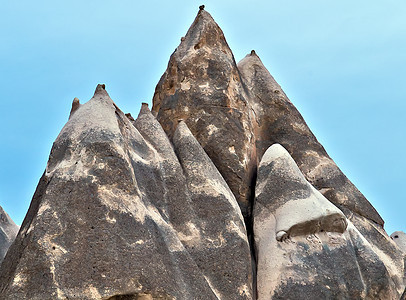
{"points": [[298, 208], [278, 121], [222, 250], [202, 86], [304, 246], [108, 220], [8, 232], [141, 209], [399, 237]]}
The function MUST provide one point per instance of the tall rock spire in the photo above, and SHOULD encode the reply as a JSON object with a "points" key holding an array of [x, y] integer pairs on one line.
{"points": [[115, 216], [202, 86], [278, 121]]}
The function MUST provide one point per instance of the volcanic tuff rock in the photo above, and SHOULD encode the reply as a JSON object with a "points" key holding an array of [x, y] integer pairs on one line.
{"points": [[154, 208], [288, 209], [278, 121], [203, 87], [399, 237], [8, 232], [113, 216], [298, 208]]}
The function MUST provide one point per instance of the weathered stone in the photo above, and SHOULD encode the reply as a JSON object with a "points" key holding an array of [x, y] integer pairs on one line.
{"points": [[222, 251], [112, 218], [202, 86], [75, 106], [321, 259], [122, 212], [207, 216], [278, 121], [298, 208], [91, 232], [8, 232], [399, 237], [403, 297]]}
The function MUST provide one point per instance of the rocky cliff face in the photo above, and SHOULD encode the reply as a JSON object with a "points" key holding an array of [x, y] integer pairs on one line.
{"points": [[222, 192]]}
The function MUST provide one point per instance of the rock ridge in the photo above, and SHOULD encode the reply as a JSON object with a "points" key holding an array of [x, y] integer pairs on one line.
{"points": [[221, 191]]}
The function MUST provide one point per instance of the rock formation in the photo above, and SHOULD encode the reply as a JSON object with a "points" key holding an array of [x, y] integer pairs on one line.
{"points": [[278, 121], [221, 192], [297, 207], [8, 232], [399, 237], [202, 86], [113, 208], [313, 233]]}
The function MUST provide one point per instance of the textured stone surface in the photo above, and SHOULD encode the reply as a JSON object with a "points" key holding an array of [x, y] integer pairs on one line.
{"points": [[103, 221], [298, 208], [141, 209], [202, 86], [399, 237], [222, 250], [216, 237], [8, 232], [320, 259], [278, 121]]}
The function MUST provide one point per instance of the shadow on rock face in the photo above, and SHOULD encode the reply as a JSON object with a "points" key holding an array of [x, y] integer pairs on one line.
{"points": [[299, 209]]}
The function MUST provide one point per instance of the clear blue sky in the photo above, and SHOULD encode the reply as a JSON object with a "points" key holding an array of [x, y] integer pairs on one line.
{"points": [[342, 63]]}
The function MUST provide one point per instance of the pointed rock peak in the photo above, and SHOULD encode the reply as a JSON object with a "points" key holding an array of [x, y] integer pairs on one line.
{"points": [[75, 102], [251, 57], [274, 152], [204, 32], [75, 106], [100, 90], [144, 109], [130, 117]]}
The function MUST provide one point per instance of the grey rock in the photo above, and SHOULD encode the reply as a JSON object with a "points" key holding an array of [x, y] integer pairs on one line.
{"points": [[204, 211], [75, 106], [278, 121], [202, 86], [322, 260], [222, 252], [112, 218], [298, 208], [399, 237], [90, 232], [8, 232]]}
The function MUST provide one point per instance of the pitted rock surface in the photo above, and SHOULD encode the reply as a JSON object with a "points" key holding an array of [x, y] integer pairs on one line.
{"points": [[278, 121], [317, 255], [108, 220], [298, 208], [154, 208], [202, 86]]}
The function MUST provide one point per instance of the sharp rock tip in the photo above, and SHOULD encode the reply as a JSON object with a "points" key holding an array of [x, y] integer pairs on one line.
{"points": [[75, 106], [100, 87], [201, 7], [129, 116]]}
